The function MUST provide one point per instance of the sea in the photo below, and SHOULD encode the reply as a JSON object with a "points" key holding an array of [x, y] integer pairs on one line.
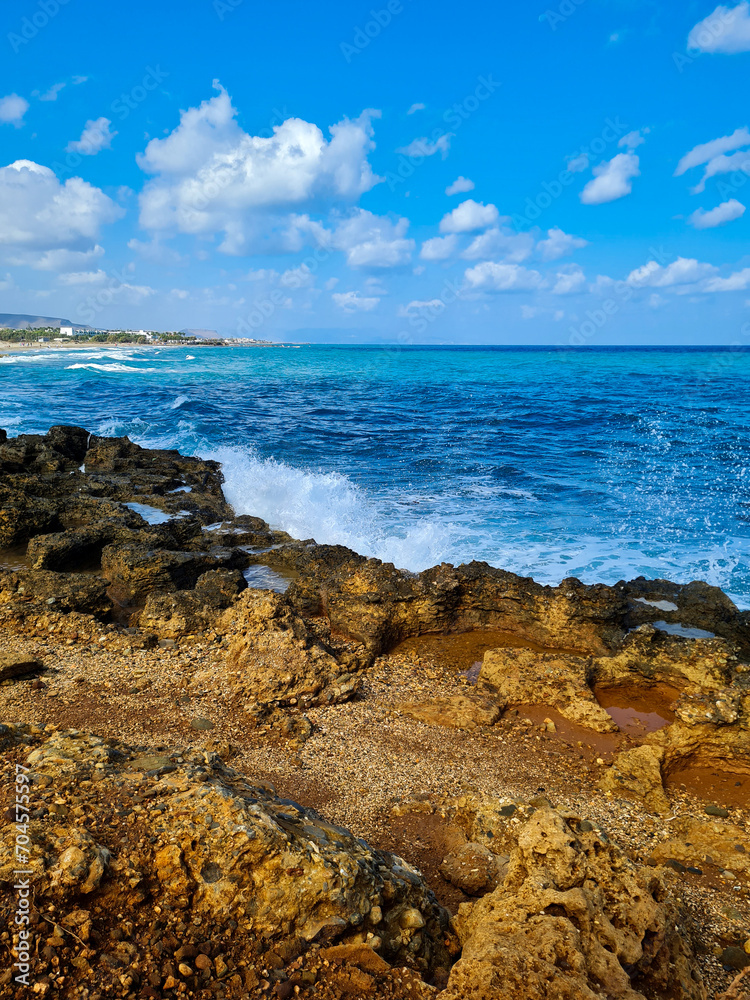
{"points": [[603, 464]]}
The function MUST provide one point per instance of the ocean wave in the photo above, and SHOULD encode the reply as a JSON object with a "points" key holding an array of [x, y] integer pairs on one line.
{"points": [[180, 401], [114, 367]]}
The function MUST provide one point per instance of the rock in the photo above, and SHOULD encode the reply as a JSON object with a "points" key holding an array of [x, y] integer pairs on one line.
{"points": [[636, 774], [716, 811], [361, 955], [201, 724], [474, 869], [459, 712], [189, 611], [522, 676], [215, 846], [575, 913], [735, 958], [277, 661], [693, 839], [14, 665]]}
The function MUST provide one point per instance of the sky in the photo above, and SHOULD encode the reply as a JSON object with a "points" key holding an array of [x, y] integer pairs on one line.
{"points": [[402, 172]]}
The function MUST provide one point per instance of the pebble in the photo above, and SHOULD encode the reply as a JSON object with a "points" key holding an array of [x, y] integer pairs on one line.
{"points": [[735, 958], [716, 811], [199, 723]]}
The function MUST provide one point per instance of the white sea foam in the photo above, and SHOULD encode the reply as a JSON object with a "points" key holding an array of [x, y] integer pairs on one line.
{"points": [[180, 401], [115, 367], [331, 509]]}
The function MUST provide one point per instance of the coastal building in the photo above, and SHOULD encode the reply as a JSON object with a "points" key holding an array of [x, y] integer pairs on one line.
{"points": [[66, 331]]}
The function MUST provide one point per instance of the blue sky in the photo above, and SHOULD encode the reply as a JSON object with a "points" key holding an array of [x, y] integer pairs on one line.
{"points": [[571, 174]]}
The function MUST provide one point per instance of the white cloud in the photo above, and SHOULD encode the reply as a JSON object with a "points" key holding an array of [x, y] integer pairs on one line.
{"points": [[372, 240], [211, 177], [180, 293], [155, 252], [726, 30], [708, 150], [423, 146], [723, 165], [683, 271], [633, 139], [51, 94], [297, 277], [418, 305], [569, 281], [12, 110], [728, 211], [95, 137], [495, 242], [83, 278], [612, 180], [460, 186], [559, 244], [57, 260], [39, 214], [737, 282], [439, 247], [468, 217], [416, 107], [490, 276], [352, 302]]}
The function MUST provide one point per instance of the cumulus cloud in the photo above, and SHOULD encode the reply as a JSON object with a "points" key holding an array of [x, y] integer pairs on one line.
{"points": [[370, 240], [497, 242], [569, 281], [468, 217], [612, 180], [559, 244], [12, 110], [683, 271], [38, 214], [423, 146], [723, 165], [212, 177], [490, 276], [96, 136], [728, 211], [98, 277], [726, 30], [352, 302], [460, 186], [439, 247], [737, 282]]}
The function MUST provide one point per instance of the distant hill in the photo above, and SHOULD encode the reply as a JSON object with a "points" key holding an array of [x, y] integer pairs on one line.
{"points": [[22, 321]]}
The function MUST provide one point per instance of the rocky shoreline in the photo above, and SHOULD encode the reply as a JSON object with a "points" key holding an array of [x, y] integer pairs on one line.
{"points": [[527, 790]]}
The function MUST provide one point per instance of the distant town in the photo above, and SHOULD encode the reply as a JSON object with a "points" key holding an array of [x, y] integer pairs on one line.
{"points": [[27, 333]]}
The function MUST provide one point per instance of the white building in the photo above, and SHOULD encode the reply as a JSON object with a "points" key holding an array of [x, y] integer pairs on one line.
{"points": [[66, 331]]}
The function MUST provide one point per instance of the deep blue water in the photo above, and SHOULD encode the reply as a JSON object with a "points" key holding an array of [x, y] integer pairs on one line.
{"points": [[602, 464]]}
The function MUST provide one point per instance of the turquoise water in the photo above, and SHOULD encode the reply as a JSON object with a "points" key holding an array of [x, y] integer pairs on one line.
{"points": [[601, 464]]}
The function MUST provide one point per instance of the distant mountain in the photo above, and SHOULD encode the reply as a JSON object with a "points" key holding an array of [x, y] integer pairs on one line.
{"points": [[22, 321]]}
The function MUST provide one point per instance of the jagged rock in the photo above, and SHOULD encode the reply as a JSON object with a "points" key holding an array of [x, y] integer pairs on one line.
{"points": [[185, 612], [459, 712], [572, 918], [636, 774], [275, 660], [219, 846], [136, 571]]}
